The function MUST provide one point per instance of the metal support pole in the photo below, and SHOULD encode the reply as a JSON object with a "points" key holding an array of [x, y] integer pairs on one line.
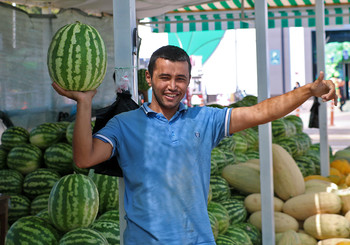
{"points": [[321, 66], [265, 137], [124, 24]]}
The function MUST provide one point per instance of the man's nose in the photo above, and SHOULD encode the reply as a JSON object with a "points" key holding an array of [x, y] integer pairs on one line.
{"points": [[172, 84]]}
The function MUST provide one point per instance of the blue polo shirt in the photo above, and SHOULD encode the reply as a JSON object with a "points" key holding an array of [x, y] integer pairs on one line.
{"points": [[166, 167]]}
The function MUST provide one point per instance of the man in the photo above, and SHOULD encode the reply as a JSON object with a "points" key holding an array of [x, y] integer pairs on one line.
{"points": [[164, 149]]}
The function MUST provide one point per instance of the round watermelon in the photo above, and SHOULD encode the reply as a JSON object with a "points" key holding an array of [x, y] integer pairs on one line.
{"points": [[14, 136], [110, 230], [111, 215], [59, 157], [46, 134], [221, 214], [73, 202], [77, 57], [25, 158], [31, 230], [39, 203], [11, 181], [108, 191], [40, 181], [83, 236]]}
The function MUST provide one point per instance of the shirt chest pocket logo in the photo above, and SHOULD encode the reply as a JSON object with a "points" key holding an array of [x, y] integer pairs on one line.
{"points": [[197, 134]]}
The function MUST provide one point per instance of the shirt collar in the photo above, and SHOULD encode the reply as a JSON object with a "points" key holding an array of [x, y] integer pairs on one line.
{"points": [[146, 109]]}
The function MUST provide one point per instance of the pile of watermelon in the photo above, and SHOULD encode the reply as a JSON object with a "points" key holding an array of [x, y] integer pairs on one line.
{"points": [[50, 197]]}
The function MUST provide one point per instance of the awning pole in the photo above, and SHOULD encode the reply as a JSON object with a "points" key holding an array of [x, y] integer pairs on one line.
{"points": [[321, 66], [124, 23], [265, 138]]}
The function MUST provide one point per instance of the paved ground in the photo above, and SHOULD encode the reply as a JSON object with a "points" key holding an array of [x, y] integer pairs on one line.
{"points": [[338, 133]]}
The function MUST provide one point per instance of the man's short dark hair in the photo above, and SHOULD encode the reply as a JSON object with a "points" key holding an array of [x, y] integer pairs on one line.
{"points": [[169, 52]]}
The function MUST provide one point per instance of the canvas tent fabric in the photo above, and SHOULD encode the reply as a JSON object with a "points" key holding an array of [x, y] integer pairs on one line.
{"points": [[223, 15]]}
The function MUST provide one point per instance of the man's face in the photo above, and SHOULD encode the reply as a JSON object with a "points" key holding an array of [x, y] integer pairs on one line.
{"points": [[169, 84]]}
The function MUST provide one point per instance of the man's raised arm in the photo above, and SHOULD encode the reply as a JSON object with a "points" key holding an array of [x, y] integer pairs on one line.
{"points": [[87, 151]]}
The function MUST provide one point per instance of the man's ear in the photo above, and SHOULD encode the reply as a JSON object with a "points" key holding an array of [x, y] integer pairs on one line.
{"points": [[148, 78]]}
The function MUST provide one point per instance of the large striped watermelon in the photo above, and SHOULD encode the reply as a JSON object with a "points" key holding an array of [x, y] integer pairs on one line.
{"points": [[59, 157], [236, 210], [220, 188], [31, 230], [25, 158], [77, 57], [297, 121], [46, 134], [39, 182], [73, 202], [14, 136], [11, 181], [83, 236], [108, 192], [221, 214], [110, 230]]}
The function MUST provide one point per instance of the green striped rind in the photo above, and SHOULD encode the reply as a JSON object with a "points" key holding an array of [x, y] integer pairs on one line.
{"points": [[218, 156], [39, 203], [304, 141], [239, 235], [108, 192], [73, 202], [252, 154], [290, 144], [252, 137], [69, 132], [25, 158], [14, 136], [220, 188], [11, 181], [252, 231], [83, 236], [110, 230], [236, 210], [59, 157], [31, 230], [241, 143], [44, 214], [19, 207], [227, 143], [214, 223], [40, 182], [241, 157], [221, 214], [225, 240], [111, 215], [230, 157], [46, 134], [297, 121], [3, 157], [77, 58], [307, 164], [250, 100]]}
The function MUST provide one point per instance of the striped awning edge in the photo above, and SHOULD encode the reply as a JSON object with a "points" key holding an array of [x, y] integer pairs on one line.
{"points": [[223, 20]]}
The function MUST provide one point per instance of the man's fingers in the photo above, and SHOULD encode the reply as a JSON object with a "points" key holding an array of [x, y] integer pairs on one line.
{"points": [[321, 76]]}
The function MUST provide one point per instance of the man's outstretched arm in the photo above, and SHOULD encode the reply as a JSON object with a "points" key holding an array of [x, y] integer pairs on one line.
{"points": [[279, 106]]}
